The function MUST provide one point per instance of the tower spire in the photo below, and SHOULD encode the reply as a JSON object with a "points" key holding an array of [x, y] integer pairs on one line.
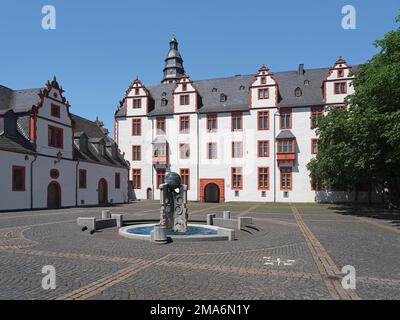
{"points": [[173, 70]]}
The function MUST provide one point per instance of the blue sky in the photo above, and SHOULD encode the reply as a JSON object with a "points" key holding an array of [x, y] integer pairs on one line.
{"points": [[99, 47]]}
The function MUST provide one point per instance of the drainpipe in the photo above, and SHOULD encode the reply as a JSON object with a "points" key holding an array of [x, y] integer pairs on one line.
{"points": [[198, 157], [153, 190], [275, 115], [33, 161], [76, 183]]}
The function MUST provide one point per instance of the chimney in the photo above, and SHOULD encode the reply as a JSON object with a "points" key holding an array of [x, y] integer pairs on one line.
{"points": [[301, 69]]}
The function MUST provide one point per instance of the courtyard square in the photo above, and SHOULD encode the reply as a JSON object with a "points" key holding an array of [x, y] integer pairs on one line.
{"points": [[291, 251]]}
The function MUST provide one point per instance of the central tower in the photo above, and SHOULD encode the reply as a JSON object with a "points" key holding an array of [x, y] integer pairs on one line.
{"points": [[173, 70]]}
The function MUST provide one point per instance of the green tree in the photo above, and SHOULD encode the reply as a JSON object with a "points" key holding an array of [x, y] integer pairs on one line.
{"points": [[361, 146]]}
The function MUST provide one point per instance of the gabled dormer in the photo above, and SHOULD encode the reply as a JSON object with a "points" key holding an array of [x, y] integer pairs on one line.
{"points": [[264, 90], [51, 125], [137, 99], [338, 83], [185, 96]]}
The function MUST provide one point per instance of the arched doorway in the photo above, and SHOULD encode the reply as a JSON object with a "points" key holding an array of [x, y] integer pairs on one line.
{"points": [[149, 194], [211, 193], [54, 196], [103, 192]]}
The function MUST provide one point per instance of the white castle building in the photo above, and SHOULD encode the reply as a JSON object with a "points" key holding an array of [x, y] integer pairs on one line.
{"points": [[242, 138], [50, 158]]}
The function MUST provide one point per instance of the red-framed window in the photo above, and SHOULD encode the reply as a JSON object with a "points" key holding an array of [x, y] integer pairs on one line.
{"points": [[340, 87], [136, 127], [56, 137], [137, 103], [263, 178], [211, 150], [212, 123], [117, 180], [263, 80], [314, 146], [184, 124], [263, 120], [18, 178], [160, 177], [316, 114], [340, 73], [184, 99], [184, 151], [237, 121], [286, 118], [185, 177], [82, 179], [237, 149], [286, 146], [237, 178], [136, 153], [136, 178], [263, 148], [55, 110], [263, 94], [286, 179], [160, 125]]}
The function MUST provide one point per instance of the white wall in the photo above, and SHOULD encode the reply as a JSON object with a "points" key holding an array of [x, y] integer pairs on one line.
{"points": [[12, 200]]}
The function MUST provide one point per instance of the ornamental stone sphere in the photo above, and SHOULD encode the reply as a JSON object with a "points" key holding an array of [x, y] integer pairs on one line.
{"points": [[173, 180]]}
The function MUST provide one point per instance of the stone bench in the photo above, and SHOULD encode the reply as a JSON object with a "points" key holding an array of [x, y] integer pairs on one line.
{"points": [[227, 222], [108, 220]]}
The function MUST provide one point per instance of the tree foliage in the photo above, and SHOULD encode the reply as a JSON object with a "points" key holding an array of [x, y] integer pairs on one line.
{"points": [[360, 146]]}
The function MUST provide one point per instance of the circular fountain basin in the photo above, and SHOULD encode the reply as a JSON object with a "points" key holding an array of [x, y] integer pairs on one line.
{"points": [[195, 232]]}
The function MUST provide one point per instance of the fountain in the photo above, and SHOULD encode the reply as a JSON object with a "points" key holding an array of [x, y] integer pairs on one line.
{"points": [[174, 219]]}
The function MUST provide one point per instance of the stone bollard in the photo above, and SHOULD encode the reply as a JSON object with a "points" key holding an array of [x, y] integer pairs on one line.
{"points": [[227, 214], [106, 214], [159, 235], [210, 218]]}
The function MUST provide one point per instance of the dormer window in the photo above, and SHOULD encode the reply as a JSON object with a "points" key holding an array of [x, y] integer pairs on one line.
{"points": [[214, 90], [164, 94], [298, 92], [164, 102], [223, 98], [263, 80], [306, 82], [242, 87], [263, 94], [184, 100], [101, 148], [55, 111], [137, 103]]}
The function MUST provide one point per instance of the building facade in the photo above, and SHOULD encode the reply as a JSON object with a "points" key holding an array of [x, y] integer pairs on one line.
{"points": [[51, 158], [242, 138]]}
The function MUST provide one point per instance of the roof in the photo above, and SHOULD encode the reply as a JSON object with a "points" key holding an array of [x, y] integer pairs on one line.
{"points": [[17, 144], [18, 100], [237, 89], [285, 134]]}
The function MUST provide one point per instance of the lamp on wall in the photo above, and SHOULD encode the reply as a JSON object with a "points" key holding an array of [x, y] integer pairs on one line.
{"points": [[59, 157]]}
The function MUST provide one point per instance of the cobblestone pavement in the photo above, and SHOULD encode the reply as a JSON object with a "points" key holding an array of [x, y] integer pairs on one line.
{"points": [[291, 252]]}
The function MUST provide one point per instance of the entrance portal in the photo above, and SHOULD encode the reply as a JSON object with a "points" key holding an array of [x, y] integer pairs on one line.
{"points": [[54, 196], [149, 194], [103, 192], [211, 193]]}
